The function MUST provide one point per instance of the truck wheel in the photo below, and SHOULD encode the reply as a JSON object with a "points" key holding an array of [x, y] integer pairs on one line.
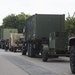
{"points": [[11, 49], [72, 59], [45, 56], [23, 52], [32, 53], [14, 49]]}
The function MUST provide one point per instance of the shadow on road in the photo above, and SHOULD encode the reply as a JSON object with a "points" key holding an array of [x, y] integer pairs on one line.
{"points": [[54, 60], [59, 59]]}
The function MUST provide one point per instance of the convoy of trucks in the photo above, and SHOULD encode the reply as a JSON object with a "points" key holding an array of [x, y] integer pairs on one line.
{"points": [[11, 39], [43, 34]]}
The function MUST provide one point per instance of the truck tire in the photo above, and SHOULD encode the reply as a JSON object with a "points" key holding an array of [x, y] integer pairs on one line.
{"points": [[72, 59], [11, 49], [14, 49], [32, 52], [23, 52], [44, 56]]}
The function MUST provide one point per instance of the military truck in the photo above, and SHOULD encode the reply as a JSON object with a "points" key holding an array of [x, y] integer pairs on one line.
{"points": [[72, 53], [5, 35], [15, 43], [45, 34]]}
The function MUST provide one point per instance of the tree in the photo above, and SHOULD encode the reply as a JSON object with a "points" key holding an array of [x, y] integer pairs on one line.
{"points": [[15, 21], [10, 21], [70, 25], [21, 20]]}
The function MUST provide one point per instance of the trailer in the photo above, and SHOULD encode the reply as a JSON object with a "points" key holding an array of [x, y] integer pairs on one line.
{"points": [[37, 30], [16, 40], [57, 46]]}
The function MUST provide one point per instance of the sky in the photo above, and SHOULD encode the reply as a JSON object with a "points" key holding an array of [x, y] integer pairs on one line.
{"points": [[8, 7]]}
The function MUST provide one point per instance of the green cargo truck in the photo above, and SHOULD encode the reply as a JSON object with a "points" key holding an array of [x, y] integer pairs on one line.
{"points": [[5, 34], [37, 35]]}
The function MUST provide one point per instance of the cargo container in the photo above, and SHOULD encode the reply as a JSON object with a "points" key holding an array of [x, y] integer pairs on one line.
{"points": [[5, 33], [39, 26], [16, 40], [36, 31]]}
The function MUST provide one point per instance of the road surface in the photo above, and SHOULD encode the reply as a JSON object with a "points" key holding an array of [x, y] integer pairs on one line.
{"points": [[17, 64]]}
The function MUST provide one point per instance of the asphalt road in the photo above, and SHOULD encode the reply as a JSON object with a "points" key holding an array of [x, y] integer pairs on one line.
{"points": [[17, 64]]}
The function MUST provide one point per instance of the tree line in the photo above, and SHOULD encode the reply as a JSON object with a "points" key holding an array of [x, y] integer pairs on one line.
{"points": [[18, 21], [15, 21]]}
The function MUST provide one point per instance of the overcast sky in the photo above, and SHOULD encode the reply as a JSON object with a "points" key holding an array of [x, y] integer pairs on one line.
{"points": [[8, 7]]}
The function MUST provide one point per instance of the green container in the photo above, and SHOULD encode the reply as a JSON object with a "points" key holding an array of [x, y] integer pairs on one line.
{"points": [[5, 33], [58, 41], [40, 25]]}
